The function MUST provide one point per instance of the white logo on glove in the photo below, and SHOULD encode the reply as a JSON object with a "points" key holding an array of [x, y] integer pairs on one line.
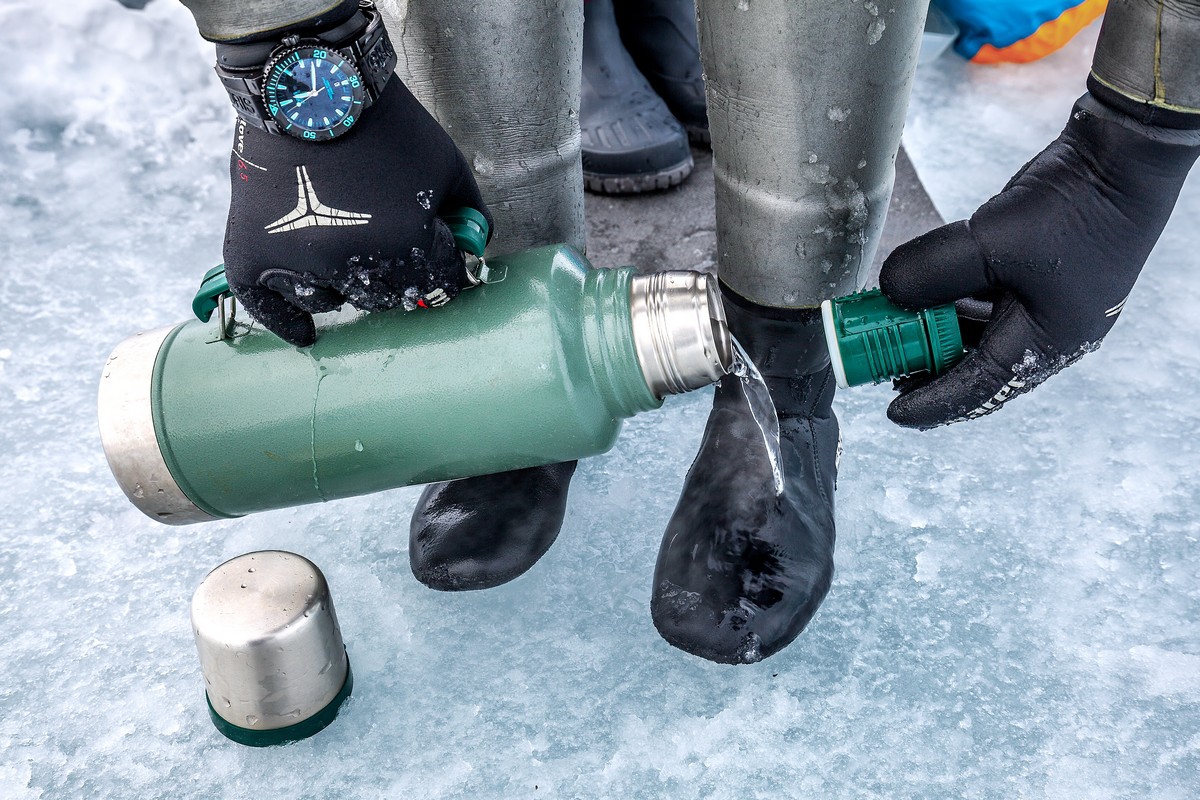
{"points": [[310, 211]]}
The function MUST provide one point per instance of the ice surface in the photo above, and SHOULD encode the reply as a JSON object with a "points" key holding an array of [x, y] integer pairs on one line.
{"points": [[1014, 613]]}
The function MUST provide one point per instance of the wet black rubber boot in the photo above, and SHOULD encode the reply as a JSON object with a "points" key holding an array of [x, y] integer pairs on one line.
{"points": [[748, 556], [660, 35], [631, 143], [477, 533]]}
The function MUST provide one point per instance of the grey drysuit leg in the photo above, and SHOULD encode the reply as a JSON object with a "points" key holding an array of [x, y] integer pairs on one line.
{"points": [[503, 78], [806, 103]]}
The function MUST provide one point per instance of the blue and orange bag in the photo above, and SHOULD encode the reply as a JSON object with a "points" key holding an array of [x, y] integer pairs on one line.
{"points": [[1006, 31]]}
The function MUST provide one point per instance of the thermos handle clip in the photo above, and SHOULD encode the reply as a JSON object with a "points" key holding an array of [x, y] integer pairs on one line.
{"points": [[471, 233], [214, 290]]}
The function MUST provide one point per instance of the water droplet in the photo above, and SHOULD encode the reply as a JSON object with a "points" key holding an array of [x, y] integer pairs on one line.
{"points": [[743, 5], [483, 165], [875, 31], [251, 719], [751, 650], [358, 445]]}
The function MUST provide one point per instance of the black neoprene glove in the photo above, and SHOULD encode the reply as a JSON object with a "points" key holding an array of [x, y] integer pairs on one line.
{"points": [[1057, 252], [313, 225]]}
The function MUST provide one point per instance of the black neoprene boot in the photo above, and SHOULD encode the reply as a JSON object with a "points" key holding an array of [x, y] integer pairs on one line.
{"points": [[631, 143], [477, 533], [748, 555], [661, 37]]}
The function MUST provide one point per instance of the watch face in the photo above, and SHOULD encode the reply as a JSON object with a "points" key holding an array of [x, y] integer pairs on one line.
{"points": [[313, 93]]}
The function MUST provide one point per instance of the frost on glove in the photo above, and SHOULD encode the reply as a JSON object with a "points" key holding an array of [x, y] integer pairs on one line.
{"points": [[315, 225]]}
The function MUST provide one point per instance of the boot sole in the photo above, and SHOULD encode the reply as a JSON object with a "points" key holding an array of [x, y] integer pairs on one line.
{"points": [[638, 184]]}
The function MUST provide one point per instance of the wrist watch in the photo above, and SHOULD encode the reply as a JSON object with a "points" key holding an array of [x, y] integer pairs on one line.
{"points": [[312, 88]]}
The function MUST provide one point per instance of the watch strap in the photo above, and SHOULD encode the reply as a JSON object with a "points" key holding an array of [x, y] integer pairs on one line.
{"points": [[363, 39], [373, 55], [245, 93]]}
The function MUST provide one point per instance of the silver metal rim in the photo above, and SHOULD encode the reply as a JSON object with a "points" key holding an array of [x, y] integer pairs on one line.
{"points": [[127, 432], [679, 331]]}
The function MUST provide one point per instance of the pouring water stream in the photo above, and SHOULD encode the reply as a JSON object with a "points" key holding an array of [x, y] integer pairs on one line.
{"points": [[762, 409]]}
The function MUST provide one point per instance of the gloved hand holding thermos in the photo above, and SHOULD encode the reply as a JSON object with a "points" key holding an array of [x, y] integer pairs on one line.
{"points": [[328, 206]]}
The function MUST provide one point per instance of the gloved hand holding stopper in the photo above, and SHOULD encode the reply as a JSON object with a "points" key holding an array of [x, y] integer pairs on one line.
{"points": [[1057, 252]]}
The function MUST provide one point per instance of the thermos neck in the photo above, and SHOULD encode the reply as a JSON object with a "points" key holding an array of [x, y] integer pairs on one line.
{"points": [[679, 331]]}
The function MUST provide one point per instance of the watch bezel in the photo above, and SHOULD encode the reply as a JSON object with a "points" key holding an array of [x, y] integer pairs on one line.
{"points": [[276, 66]]}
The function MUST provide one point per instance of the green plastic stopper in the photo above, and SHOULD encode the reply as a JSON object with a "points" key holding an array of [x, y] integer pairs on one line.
{"points": [[470, 229], [871, 340]]}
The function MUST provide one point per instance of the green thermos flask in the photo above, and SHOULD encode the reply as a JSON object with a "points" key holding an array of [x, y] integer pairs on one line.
{"points": [[538, 363]]}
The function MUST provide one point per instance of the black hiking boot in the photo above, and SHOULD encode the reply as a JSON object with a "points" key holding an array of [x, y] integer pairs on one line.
{"points": [[747, 557], [631, 143], [477, 533], [660, 35]]}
